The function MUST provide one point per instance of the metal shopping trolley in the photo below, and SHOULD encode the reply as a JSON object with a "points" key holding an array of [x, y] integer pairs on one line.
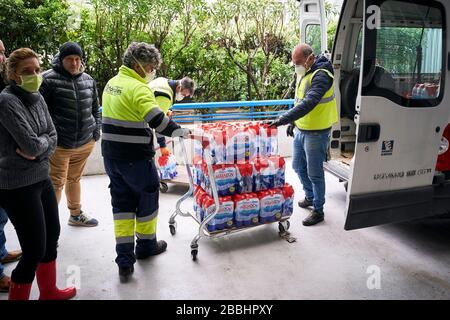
{"points": [[203, 232]]}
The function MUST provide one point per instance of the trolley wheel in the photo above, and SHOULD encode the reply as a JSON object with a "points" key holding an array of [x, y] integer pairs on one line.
{"points": [[173, 230], [163, 187], [281, 227], [194, 253]]}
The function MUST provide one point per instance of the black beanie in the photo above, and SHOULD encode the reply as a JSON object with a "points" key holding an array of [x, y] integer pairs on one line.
{"points": [[70, 48]]}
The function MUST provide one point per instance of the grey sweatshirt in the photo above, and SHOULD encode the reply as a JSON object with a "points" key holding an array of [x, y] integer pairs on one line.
{"points": [[25, 124]]}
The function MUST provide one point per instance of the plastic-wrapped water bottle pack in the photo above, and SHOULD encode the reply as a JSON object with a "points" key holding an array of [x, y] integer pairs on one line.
{"points": [[248, 172]]}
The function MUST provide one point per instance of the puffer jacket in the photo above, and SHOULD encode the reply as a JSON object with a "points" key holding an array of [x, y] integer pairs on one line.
{"points": [[73, 105]]}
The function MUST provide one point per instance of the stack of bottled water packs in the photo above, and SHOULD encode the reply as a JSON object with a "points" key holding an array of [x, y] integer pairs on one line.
{"points": [[248, 172]]}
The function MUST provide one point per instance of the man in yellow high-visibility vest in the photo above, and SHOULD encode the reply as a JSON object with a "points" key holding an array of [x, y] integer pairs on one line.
{"points": [[129, 114], [310, 120], [167, 92]]}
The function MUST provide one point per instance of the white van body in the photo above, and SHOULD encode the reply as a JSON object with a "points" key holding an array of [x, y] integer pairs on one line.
{"points": [[392, 83]]}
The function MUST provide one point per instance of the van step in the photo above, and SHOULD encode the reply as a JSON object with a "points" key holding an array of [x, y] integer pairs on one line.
{"points": [[337, 169]]}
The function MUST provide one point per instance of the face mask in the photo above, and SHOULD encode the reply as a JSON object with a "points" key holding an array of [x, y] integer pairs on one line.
{"points": [[149, 76], [179, 96], [300, 70], [31, 83]]}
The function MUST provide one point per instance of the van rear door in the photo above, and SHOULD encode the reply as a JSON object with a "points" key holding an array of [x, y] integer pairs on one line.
{"points": [[402, 110], [313, 26]]}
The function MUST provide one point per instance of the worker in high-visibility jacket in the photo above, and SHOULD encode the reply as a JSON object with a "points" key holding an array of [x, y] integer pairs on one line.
{"points": [[310, 120], [167, 92], [129, 113]]}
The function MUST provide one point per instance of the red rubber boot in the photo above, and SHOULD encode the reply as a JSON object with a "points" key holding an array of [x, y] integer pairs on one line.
{"points": [[46, 279], [19, 291]]}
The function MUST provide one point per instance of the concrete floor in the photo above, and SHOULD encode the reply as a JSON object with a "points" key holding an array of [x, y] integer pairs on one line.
{"points": [[326, 262]]}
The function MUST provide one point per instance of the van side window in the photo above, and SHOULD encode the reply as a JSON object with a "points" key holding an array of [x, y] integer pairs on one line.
{"points": [[408, 58]]}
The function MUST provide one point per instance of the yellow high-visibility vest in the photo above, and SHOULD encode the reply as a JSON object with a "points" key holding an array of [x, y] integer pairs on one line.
{"points": [[163, 93], [324, 115]]}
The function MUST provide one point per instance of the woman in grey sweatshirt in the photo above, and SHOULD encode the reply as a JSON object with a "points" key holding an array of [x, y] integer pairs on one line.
{"points": [[27, 139]]}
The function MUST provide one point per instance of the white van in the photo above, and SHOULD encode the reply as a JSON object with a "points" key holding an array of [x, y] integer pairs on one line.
{"points": [[392, 82]]}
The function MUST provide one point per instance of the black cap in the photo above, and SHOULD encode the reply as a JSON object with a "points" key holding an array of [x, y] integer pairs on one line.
{"points": [[70, 48]]}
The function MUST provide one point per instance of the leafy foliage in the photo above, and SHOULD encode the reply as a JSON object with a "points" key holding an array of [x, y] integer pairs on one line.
{"points": [[233, 49]]}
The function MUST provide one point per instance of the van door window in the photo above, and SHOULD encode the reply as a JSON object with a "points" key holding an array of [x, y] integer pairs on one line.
{"points": [[406, 54], [313, 37]]}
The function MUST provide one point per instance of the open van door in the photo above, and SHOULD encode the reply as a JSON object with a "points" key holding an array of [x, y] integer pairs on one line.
{"points": [[402, 111], [313, 26]]}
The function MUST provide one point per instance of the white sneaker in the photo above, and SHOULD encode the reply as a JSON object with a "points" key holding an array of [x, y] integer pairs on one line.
{"points": [[83, 220]]}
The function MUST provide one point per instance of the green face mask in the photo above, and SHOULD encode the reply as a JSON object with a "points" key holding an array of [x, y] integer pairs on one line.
{"points": [[31, 83]]}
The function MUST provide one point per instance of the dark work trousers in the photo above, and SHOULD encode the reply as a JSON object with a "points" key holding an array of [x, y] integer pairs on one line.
{"points": [[134, 187], [33, 210]]}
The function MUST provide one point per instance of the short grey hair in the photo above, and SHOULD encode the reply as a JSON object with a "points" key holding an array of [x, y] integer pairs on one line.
{"points": [[306, 50], [303, 48], [187, 83], [144, 53]]}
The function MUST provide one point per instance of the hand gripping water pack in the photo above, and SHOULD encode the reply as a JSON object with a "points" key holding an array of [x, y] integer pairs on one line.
{"points": [[288, 206], [167, 167], [271, 203], [246, 209], [224, 218]]}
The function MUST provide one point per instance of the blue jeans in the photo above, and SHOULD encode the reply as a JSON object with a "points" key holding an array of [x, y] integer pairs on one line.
{"points": [[3, 251], [310, 152]]}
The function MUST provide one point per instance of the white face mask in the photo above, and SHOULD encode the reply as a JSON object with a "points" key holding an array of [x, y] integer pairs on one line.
{"points": [[179, 96], [300, 70], [149, 76]]}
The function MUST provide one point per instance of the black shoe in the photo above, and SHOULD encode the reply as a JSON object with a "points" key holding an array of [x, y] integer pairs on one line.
{"points": [[160, 247], [314, 218], [305, 203], [125, 273]]}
